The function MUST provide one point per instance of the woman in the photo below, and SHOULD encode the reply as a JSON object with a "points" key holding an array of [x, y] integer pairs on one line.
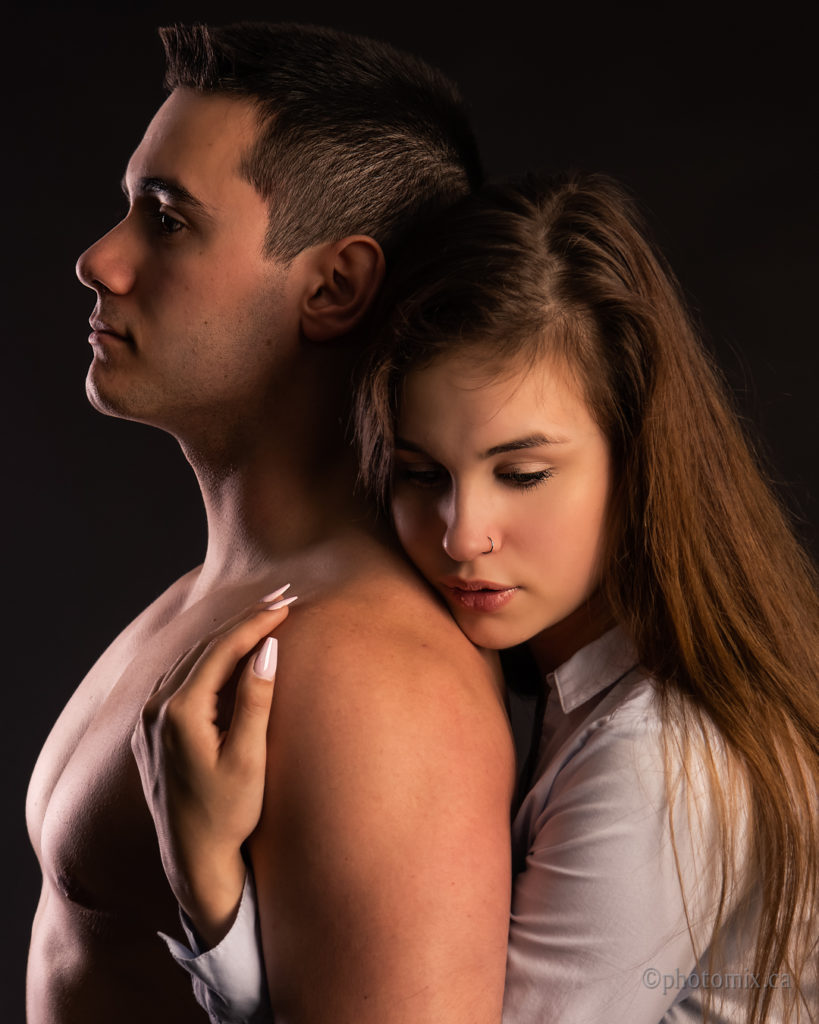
{"points": [[563, 467]]}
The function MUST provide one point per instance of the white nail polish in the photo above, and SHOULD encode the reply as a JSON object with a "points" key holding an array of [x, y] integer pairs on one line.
{"points": [[264, 664], [275, 594], [282, 603]]}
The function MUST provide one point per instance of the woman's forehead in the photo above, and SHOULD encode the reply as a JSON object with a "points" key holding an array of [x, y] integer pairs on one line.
{"points": [[479, 366], [458, 395]]}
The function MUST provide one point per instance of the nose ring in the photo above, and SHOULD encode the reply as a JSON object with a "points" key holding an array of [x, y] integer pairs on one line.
{"points": [[491, 547]]}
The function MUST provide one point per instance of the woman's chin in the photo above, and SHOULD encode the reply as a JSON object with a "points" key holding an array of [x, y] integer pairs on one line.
{"points": [[491, 632], [564, 629]]}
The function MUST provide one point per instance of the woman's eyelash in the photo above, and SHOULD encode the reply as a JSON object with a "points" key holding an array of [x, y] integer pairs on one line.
{"points": [[526, 480], [423, 477], [432, 477]]}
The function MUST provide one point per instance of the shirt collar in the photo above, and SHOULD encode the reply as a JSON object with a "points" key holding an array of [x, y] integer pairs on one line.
{"points": [[593, 669]]}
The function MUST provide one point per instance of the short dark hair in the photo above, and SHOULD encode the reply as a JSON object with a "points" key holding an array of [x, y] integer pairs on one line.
{"points": [[355, 137]]}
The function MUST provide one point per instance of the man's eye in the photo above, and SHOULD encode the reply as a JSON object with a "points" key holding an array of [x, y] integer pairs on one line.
{"points": [[167, 224]]}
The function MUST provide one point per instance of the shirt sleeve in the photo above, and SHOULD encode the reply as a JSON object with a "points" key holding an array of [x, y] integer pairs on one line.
{"points": [[599, 930], [228, 980]]}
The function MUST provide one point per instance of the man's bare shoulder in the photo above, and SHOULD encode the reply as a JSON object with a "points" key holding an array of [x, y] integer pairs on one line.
{"points": [[382, 856], [378, 692], [383, 634]]}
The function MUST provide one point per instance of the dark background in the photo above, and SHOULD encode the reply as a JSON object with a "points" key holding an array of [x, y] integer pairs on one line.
{"points": [[708, 115]]}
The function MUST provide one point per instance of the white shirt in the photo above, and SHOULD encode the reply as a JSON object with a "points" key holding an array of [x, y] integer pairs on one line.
{"points": [[228, 980], [598, 929]]}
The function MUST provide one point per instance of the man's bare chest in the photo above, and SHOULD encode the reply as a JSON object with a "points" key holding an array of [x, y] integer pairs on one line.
{"points": [[86, 812]]}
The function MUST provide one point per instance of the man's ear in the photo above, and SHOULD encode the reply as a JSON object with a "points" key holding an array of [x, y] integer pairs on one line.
{"points": [[343, 278]]}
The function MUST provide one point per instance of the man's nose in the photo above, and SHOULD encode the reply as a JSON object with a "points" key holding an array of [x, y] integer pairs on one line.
{"points": [[109, 265]]}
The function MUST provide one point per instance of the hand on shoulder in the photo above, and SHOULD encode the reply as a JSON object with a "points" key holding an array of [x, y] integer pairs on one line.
{"points": [[200, 748]]}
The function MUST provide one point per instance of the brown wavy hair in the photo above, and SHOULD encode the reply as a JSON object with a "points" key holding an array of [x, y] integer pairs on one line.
{"points": [[702, 568]]}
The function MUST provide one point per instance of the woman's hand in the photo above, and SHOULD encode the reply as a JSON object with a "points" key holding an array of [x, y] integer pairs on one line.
{"points": [[200, 746]]}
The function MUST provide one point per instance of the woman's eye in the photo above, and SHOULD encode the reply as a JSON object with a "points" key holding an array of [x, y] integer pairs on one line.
{"points": [[516, 478], [421, 476]]}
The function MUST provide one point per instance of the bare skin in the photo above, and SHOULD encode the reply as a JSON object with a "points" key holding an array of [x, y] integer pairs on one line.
{"points": [[104, 893], [382, 855]]}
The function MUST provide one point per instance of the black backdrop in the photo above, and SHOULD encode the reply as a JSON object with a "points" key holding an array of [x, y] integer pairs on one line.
{"points": [[708, 115]]}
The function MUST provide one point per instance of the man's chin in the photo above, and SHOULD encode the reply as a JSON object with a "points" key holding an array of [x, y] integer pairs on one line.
{"points": [[105, 401], [98, 399]]}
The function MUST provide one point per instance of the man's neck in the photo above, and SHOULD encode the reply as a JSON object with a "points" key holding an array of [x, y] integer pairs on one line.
{"points": [[276, 484], [261, 513]]}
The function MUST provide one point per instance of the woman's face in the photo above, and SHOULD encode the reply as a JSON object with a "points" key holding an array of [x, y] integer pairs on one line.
{"points": [[517, 458]]}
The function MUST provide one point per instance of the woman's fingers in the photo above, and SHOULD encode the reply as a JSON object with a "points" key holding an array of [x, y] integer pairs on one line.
{"points": [[246, 739], [168, 682], [217, 662], [182, 714], [204, 804], [269, 601], [163, 686]]}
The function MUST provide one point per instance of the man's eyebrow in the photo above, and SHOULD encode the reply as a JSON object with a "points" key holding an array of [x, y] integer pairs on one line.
{"points": [[532, 441], [163, 187]]}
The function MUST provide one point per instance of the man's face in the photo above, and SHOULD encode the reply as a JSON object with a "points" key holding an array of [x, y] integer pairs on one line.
{"points": [[191, 320]]}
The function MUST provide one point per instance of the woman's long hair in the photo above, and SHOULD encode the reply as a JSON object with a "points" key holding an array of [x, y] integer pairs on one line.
{"points": [[702, 568]]}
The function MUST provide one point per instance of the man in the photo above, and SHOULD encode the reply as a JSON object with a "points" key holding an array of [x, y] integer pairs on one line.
{"points": [[230, 299]]}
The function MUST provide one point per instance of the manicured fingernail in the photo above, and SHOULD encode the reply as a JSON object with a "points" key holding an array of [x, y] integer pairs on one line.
{"points": [[275, 594], [264, 664], [282, 603]]}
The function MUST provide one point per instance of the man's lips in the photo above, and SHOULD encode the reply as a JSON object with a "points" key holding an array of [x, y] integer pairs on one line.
{"points": [[102, 327], [478, 595]]}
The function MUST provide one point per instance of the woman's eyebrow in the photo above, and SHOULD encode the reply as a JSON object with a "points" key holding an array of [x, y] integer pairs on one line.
{"points": [[532, 441], [402, 444]]}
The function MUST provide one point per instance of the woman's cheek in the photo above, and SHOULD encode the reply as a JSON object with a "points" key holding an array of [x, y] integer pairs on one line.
{"points": [[411, 527]]}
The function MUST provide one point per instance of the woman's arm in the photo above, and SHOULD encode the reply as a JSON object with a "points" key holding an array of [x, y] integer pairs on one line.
{"points": [[228, 979], [200, 750]]}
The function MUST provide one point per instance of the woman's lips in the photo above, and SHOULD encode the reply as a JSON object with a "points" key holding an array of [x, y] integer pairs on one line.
{"points": [[484, 599]]}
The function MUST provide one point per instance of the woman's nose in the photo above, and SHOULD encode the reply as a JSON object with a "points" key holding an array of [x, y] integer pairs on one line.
{"points": [[468, 534], [108, 265]]}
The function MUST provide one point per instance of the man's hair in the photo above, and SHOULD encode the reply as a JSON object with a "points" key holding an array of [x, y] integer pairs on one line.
{"points": [[354, 136]]}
